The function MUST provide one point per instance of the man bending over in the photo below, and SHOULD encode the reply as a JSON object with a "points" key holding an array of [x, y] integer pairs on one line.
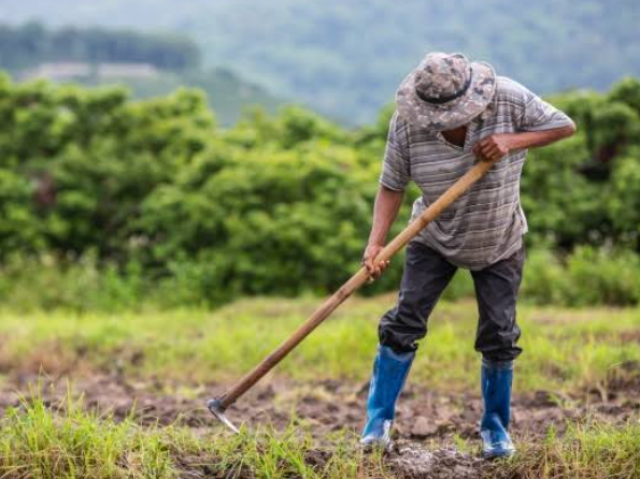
{"points": [[449, 114]]}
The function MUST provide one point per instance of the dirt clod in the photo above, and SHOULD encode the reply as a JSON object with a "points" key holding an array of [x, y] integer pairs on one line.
{"points": [[415, 462], [423, 427]]}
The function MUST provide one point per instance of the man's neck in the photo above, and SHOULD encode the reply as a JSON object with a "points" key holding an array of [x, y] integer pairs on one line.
{"points": [[456, 136]]}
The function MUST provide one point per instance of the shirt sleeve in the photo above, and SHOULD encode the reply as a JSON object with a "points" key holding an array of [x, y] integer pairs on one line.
{"points": [[396, 172], [538, 115]]}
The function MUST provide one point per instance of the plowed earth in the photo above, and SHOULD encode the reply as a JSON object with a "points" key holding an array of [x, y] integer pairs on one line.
{"points": [[426, 428]]}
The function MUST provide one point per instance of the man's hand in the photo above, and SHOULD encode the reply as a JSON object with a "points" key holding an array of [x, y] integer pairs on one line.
{"points": [[498, 146], [386, 209], [494, 147], [370, 253]]}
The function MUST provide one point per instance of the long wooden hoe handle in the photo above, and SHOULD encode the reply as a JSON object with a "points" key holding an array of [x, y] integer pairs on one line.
{"points": [[355, 282]]}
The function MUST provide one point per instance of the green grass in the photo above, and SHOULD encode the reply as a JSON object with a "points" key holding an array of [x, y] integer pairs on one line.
{"points": [[595, 451], [291, 454], [36, 442], [564, 349], [70, 443]]}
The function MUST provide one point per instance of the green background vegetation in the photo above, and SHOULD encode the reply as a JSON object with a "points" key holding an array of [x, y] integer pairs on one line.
{"points": [[229, 95], [346, 57], [176, 58], [107, 202]]}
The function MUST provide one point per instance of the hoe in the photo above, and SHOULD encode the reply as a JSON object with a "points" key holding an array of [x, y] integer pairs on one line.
{"points": [[218, 406]]}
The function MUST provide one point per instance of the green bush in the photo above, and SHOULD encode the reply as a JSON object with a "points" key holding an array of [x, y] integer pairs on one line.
{"points": [[545, 279], [95, 183], [81, 285], [587, 277], [603, 277]]}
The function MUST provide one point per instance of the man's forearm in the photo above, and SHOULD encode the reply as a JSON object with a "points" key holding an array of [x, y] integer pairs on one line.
{"points": [[385, 210], [497, 146], [534, 139]]}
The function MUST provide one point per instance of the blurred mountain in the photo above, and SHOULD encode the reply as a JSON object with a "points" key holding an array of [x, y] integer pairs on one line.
{"points": [[150, 64], [346, 57], [229, 95]]}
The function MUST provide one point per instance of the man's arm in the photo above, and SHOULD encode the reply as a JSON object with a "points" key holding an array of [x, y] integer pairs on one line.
{"points": [[385, 210], [498, 146]]}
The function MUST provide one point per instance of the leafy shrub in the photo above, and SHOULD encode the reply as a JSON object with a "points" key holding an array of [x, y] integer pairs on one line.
{"points": [[80, 285], [95, 185], [587, 277], [603, 277]]}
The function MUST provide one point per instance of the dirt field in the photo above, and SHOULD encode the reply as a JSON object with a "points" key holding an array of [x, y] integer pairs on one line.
{"points": [[145, 379], [430, 427]]}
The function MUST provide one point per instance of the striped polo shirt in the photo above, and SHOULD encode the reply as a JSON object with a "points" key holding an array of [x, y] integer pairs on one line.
{"points": [[487, 223]]}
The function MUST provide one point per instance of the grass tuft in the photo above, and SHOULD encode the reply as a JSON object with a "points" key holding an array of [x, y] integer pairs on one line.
{"points": [[294, 453], [68, 442], [588, 451]]}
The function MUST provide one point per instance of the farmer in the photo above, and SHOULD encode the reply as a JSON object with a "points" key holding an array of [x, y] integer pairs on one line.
{"points": [[450, 113]]}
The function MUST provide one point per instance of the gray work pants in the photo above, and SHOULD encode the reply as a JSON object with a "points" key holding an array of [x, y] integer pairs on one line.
{"points": [[426, 274]]}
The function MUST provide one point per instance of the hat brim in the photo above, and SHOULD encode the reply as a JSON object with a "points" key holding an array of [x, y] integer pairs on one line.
{"points": [[453, 114]]}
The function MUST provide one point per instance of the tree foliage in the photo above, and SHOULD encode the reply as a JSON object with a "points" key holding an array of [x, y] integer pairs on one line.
{"points": [[274, 205]]}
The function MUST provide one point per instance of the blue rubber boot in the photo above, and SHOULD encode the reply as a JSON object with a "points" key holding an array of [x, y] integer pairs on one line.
{"points": [[497, 378], [390, 372]]}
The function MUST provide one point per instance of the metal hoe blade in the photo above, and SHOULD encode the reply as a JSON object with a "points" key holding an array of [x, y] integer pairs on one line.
{"points": [[215, 406]]}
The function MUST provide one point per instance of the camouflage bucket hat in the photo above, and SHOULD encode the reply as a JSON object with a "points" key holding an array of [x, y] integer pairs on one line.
{"points": [[445, 92]]}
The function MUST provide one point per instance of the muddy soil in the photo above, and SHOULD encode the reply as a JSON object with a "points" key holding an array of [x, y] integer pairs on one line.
{"points": [[425, 425]]}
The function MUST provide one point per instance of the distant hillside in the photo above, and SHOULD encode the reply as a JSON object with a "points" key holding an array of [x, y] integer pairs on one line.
{"points": [[31, 44], [229, 95], [346, 57], [151, 64]]}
